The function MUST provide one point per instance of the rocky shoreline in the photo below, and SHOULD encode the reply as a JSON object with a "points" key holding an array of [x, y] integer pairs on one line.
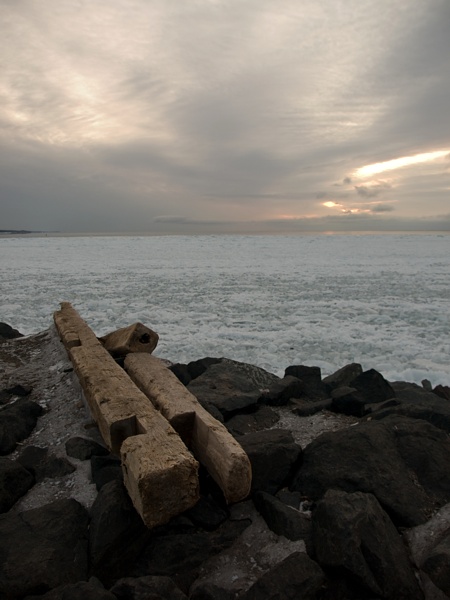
{"points": [[350, 491]]}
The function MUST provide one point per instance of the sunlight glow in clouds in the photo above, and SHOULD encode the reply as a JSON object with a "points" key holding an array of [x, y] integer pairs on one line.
{"points": [[397, 163]]}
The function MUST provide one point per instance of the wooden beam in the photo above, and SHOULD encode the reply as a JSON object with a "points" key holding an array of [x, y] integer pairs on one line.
{"points": [[134, 338], [209, 440], [160, 473]]}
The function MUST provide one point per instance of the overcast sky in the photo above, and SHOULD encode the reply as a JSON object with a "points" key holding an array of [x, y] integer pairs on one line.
{"points": [[224, 115]]}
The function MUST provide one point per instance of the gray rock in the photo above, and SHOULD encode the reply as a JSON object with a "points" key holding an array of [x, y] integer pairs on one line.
{"points": [[311, 378], [297, 576], [42, 464], [273, 455], [147, 588], [43, 548], [83, 590], [17, 421], [372, 386], [281, 391], [262, 418], [15, 481], [8, 333], [84, 448], [403, 462], [117, 533], [352, 532], [230, 386], [437, 565], [342, 377]]}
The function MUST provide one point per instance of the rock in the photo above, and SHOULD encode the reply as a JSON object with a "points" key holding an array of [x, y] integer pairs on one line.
{"points": [[182, 372], [147, 588], [426, 384], [17, 421], [306, 408], [273, 455], [41, 464], [412, 393], [84, 448], [83, 590], [372, 386], [352, 532], [439, 416], [437, 565], [297, 576], [194, 369], [15, 481], [233, 571], [443, 391], [283, 519], [43, 548], [348, 401], [116, 534], [343, 377], [280, 392], [311, 378], [230, 386], [403, 462], [19, 390], [262, 418], [207, 514], [8, 333], [180, 555], [105, 469]]}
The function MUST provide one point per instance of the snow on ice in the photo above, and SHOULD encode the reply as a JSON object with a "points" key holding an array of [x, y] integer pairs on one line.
{"points": [[326, 300]]}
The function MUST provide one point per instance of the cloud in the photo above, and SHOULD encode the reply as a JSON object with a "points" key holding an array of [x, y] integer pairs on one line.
{"points": [[371, 190], [380, 208], [113, 115]]}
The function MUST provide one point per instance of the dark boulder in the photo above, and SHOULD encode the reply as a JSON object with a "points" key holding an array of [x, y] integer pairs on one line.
{"points": [[147, 588], [274, 457], [17, 421], [372, 386], [352, 533], [116, 535], [311, 378], [261, 418], [295, 577], [304, 407], [19, 390], [42, 464], [342, 377], [403, 462], [281, 391], [437, 565], [348, 401], [84, 448], [83, 590], [105, 469], [182, 372], [8, 333], [15, 481], [43, 548], [179, 555], [230, 387], [207, 514], [443, 391], [283, 519], [439, 416]]}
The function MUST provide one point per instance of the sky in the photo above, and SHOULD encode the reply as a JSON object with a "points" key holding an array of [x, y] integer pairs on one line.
{"points": [[213, 116]]}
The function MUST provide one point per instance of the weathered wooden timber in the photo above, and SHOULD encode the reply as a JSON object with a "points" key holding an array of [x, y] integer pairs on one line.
{"points": [[160, 473], [134, 338], [208, 439]]}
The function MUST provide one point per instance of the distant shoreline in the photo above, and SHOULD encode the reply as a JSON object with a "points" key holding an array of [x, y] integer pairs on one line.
{"points": [[16, 233]]}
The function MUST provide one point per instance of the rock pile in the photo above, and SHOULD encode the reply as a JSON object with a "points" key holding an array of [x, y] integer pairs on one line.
{"points": [[359, 512]]}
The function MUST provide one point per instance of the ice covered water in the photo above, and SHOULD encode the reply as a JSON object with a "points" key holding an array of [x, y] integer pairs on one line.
{"points": [[326, 300]]}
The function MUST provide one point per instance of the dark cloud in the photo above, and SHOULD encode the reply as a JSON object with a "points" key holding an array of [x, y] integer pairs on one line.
{"points": [[380, 208], [373, 189]]}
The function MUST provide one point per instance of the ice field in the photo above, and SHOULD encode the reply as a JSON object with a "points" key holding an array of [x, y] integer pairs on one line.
{"points": [[273, 301]]}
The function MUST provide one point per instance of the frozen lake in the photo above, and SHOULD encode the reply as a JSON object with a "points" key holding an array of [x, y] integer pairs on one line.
{"points": [[326, 300]]}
